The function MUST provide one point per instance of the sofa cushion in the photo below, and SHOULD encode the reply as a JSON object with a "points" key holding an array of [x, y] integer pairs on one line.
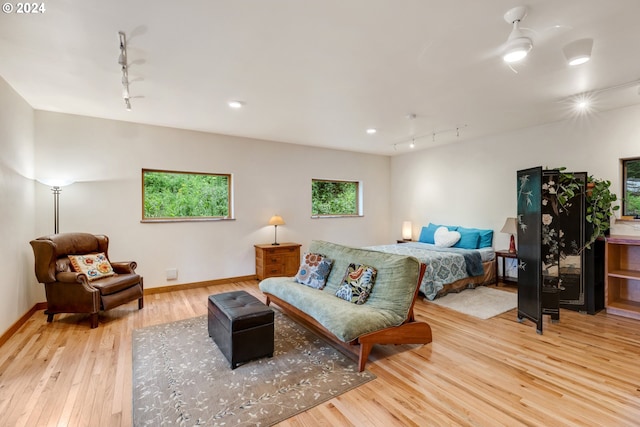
{"points": [[95, 266], [314, 270], [357, 283]]}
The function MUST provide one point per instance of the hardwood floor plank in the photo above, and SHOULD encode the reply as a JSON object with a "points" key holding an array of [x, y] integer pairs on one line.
{"points": [[581, 372]]}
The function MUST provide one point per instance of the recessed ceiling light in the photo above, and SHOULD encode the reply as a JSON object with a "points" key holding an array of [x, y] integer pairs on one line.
{"points": [[236, 104], [371, 131]]}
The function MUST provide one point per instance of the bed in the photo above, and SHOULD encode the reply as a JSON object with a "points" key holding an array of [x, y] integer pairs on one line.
{"points": [[448, 269]]}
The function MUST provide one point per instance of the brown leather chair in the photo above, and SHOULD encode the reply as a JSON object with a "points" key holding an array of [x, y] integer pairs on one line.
{"points": [[72, 292]]}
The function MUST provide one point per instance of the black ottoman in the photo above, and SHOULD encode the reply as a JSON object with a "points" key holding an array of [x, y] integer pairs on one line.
{"points": [[241, 326]]}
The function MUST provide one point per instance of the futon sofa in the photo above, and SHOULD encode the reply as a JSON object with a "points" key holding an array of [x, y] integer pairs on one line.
{"points": [[386, 317]]}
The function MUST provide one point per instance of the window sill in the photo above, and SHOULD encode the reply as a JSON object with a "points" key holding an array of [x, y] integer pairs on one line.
{"points": [[335, 216], [164, 220]]}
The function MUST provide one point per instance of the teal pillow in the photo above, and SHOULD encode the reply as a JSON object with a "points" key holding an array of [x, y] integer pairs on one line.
{"points": [[468, 239], [486, 236], [426, 234]]}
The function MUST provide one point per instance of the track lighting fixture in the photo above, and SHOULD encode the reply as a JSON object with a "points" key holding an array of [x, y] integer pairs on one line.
{"points": [[518, 44], [122, 60]]}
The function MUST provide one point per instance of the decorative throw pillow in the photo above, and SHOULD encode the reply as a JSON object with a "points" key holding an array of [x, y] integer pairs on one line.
{"points": [[427, 233], [468, 240], [314, 270], [357, 283], [95, 266], [445, 238]]}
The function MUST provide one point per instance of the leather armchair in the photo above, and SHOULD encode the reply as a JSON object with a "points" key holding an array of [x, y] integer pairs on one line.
{"points": [[71, 292]]}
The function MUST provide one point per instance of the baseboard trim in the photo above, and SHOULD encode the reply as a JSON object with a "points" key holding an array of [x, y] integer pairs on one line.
{"points": [[21, 321], [194, 285], [150, 291]]}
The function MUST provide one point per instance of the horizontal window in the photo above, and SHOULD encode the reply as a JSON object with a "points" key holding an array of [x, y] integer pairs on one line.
{"points": [[185, 196], [335, 198]]}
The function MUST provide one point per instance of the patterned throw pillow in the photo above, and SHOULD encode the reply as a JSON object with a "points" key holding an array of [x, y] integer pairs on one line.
{"points": [[357, 283], [95, 266], [314, 270]]}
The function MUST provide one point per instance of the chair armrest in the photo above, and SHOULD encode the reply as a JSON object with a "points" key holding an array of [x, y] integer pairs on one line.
{"points": [[124, 267], [71, 277]]}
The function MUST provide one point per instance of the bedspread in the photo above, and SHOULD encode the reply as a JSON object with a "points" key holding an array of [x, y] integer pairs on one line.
{"points": [[444, 265]]}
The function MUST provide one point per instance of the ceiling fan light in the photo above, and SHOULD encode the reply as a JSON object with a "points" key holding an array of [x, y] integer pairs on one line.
{"points": [[517, 49], [578, 52], [579, 60]]}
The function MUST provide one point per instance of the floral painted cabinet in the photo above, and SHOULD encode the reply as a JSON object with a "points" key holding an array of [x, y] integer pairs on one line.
{"points": [[550, 238]]}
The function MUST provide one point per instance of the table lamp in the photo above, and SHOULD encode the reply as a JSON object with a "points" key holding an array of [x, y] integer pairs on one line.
{"points": [[276, 220], [511, 227]]}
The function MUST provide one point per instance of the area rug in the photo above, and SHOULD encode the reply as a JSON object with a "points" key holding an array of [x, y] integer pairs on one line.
{"points": [[481, 302], [181, 378]]}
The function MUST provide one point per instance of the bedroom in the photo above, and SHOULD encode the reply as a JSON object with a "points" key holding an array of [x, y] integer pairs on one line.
{"points": [[471, 182]]}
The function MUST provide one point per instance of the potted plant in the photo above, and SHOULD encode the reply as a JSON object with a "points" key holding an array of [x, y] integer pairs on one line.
{"points": [[600, 207], [599, 202]]}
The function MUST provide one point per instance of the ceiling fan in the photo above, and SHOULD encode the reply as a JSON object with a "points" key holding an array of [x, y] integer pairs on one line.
{"points": [[518, 44]]}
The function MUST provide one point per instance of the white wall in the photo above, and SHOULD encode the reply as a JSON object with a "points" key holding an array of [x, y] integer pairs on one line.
{"points": [[474, 183], [105, 159], [18, 288]]}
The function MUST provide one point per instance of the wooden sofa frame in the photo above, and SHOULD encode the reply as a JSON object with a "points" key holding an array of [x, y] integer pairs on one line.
{"points": [[409, 332]]}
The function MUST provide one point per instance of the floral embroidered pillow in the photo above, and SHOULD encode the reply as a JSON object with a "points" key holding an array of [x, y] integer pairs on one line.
{"points": [[95, 266], [357, 283], [314, 270]]}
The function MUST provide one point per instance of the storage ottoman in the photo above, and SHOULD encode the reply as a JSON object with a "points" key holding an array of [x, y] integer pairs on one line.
{"points": [[241, 326]]}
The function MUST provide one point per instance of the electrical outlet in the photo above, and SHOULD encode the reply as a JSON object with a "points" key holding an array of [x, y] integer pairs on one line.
{"points": [[172, 273]]}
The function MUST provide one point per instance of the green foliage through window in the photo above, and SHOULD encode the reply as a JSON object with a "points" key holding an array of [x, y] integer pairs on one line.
{"points": [[183, 195], [329, 198], [631, 187]]}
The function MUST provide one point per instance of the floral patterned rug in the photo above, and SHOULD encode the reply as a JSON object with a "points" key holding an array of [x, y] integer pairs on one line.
{"points": [[181, 378]]}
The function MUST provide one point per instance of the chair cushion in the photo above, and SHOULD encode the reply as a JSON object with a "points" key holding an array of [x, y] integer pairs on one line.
{"points": [[115, 283], [95, 266]]}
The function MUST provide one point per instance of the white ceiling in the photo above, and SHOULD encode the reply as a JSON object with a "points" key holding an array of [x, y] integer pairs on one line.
{"points": [[319, 72]]}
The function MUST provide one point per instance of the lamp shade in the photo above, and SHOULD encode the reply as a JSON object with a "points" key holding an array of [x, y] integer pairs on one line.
{"points": [[407, 230], [55, 182], [276, 220], [510, 226]]}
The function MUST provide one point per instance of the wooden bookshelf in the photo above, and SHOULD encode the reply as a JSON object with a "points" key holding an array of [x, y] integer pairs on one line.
{"points": [[622, 276]]}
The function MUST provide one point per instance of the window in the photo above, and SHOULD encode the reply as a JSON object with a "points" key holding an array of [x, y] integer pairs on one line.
{"points": [[335, 198], [185, 196], [631, 187]]}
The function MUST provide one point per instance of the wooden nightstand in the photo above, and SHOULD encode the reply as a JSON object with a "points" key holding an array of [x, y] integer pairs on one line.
{"points": [[404, 240], [504, 254], [280, 260]]}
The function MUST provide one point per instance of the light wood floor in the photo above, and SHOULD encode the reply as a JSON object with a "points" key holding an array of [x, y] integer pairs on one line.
{"points": [[583, 371]]}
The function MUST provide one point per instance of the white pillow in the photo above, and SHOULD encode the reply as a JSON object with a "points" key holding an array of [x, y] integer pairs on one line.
{"points": [[445, 238]]}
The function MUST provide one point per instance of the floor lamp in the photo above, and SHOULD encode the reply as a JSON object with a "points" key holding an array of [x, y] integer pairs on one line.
{"points": [[56, 187]]}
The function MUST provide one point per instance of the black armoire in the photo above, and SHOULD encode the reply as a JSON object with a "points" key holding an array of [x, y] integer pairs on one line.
{"points": [[554, 269]]}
